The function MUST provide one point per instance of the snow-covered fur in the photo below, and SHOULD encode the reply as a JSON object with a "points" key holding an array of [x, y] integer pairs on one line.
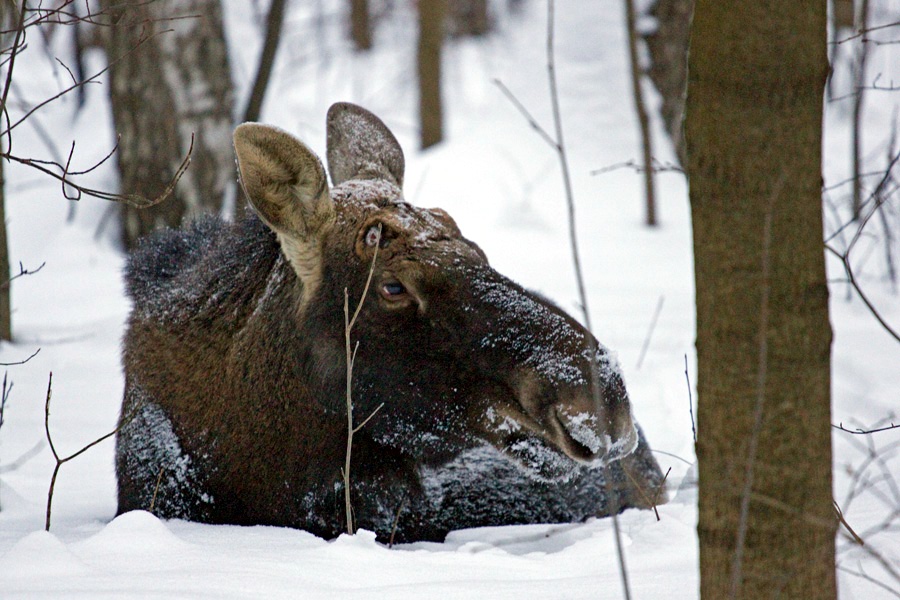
{"points": [[480, 395]]}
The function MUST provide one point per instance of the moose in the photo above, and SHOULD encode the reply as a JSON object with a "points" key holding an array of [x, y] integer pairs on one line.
{"points": [[496, 407]]}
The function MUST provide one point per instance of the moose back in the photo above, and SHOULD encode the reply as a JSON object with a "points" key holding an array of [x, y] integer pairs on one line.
{"points": [[235, 364]]}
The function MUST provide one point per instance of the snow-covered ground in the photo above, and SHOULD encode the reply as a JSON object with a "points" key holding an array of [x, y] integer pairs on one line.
{"points": [[502, 184]]}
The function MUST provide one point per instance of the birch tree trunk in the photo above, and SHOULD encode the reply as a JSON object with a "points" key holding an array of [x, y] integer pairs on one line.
{"points": [[168, 86], [753, 130]]}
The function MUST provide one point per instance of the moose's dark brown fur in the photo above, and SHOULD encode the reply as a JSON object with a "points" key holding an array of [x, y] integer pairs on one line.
{"points": [[235, 364]]}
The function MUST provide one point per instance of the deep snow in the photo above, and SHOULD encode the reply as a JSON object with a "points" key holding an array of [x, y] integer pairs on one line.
{"points": [[501, 183]]}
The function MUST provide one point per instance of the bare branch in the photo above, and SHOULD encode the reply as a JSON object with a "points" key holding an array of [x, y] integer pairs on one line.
{"points": [[845, 260], [136, 200], [865, 31], [351, 359], [396, 522], [655, 166], [865, 431], [653, 321], [21, 362], [870, 579], [531, 120], [20, 32], [61, 461]]}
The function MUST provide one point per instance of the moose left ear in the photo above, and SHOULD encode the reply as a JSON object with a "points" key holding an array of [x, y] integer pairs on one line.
{"points": [[360, 146]]}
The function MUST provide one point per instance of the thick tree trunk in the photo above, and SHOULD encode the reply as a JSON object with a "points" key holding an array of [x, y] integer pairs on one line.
{"points": [[431, 39], [753, 132], [168, 86]]}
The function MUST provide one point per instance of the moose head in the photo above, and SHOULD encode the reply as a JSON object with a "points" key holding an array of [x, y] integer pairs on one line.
{"points": [[455, 351]]}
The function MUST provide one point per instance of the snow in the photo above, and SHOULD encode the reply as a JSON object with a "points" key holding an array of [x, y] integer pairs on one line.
{"points": [[501, 184]]}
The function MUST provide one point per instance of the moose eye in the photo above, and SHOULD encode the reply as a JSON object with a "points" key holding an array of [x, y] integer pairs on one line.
{"points": [[393, 289], [373, 236]]}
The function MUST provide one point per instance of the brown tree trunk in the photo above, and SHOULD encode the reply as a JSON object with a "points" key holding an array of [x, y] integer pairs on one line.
{"points": [[360, 24], [643, 119], [168, 86], [753, 132], [468, 17], [668, 46], [431, 38], [5, 302]]}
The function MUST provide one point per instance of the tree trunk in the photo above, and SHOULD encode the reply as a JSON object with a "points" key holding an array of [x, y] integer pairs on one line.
{"points": [[753, 132], [360, 24], [668, 46], [431, 38], [468, 18], [5, 301], [643, 120], [166, 86]]}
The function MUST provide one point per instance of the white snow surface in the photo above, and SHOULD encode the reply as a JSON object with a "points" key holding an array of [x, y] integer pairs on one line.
{"points": [[501, 183]]}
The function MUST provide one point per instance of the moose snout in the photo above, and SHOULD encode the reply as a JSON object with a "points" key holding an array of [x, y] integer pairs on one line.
{"points": [[596, 435]]}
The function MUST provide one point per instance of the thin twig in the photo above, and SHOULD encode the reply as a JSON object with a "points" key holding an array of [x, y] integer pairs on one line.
{"points": [[23, 458], [654, 501], [845, 261], [690, 399], [862, 32], [652, 327], [156, 489], [20, 31], [396, 522], [655, 166], [61, 461], [664, 453], [870, 579], [22, 273], [531, 120], [579, 276], [858, 431], [21, 362], [840, 515], [351, 359], [136, 200], [659, 490]]}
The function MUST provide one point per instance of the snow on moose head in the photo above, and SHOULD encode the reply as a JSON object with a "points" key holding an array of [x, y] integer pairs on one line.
{"points": [[235, 354]]}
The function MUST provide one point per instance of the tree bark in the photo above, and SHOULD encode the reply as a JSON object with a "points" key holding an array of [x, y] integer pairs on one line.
{"points": [[5, 291], [360, 24], [469, 18], [753, 130], [643, 119], [170, 85], [431, 39], [668, 47]]}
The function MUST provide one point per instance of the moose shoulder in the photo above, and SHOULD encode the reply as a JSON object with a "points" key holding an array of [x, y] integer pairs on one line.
{"points": [[235, 376]]}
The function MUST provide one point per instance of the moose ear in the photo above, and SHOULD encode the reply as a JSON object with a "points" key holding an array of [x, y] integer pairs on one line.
{"points": [[360, 146], [283, 179]]}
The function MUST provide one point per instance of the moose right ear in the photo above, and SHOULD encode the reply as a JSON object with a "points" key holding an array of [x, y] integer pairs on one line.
{"points": [[360, 146], [284, 180]]}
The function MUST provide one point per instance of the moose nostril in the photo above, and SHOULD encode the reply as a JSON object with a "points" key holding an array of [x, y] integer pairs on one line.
{"points": [[582, 428]]}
